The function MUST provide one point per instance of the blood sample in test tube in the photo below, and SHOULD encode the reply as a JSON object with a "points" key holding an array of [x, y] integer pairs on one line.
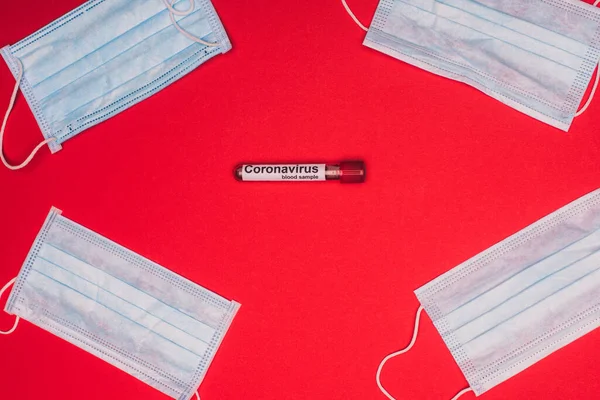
{"points": [[345, 172]]}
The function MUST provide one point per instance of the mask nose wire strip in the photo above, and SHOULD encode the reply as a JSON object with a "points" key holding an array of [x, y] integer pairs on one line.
{"points": [[9, 284], [8, 111], [594, 88], [349, 11], [404, 350], [173, 12]]}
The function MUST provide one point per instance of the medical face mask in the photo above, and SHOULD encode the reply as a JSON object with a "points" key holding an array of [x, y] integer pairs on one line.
{"points": [[106, 56], [537, 56], [521, 300], [134, 314]]}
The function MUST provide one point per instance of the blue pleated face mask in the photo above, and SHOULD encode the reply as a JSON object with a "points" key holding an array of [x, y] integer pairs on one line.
{"points": [[537, 56], [106, 56], [521, 300], [136, 315]]}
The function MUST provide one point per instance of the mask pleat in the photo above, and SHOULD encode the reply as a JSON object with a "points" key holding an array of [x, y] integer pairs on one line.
{"points": [[568, 19], [83, 36], [141, 307], [93, 307], [82, 244], [510, 259], [498, 359], [543, 34], [127, 361], [102, 55], [517, 285], [480, 45], [524, 300], [517, 341], [132, 63], [143, 86]]}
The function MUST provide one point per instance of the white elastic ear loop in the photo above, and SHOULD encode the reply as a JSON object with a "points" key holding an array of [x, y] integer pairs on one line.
{"points": [[594, 88], [404, 350], [183, 13], [9, 284], [592, 93], [197, 395], [10, 107], [173, 12], [364, 28]]}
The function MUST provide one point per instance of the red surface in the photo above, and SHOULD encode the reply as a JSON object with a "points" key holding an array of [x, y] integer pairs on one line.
{"points": [[325, 271]]}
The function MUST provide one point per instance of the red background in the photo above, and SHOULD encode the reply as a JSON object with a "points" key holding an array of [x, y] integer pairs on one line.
{"points": [[324, 271]]}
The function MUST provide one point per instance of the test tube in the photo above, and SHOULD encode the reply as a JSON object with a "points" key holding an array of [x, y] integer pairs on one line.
{"points": [[345, 172]]}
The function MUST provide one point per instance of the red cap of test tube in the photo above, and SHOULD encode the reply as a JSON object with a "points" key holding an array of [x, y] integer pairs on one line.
{"points": [[352, 172]]}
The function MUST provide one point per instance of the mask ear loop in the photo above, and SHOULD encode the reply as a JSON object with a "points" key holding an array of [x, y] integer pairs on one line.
{"points": [[197, 395], [173, 12], [349, 11], [404, 350], [8, 111], [594, 88], [9, 284]]}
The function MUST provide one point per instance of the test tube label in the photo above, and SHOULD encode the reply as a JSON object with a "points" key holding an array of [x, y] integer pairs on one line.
{"points": [[283, 172]]}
